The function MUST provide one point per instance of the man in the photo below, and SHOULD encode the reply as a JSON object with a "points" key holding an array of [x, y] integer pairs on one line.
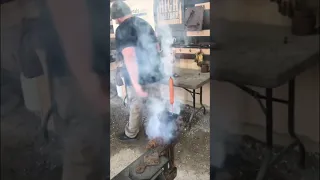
{"points": [[137, 46], [79, 78]]}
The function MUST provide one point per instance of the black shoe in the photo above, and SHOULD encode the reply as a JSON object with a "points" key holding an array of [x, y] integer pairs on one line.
{"points": [[124, 137]]}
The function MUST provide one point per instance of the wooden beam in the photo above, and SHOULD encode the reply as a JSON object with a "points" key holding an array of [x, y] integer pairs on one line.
{"points": [[199, 33], [191, 50], [205, 5], [191, 56]]}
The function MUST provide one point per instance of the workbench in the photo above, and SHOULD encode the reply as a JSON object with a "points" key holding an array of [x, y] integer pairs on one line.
{"points": [[267, 60], [191, 80]]}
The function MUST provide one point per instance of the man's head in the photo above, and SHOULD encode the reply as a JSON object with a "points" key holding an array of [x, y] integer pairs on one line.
{"points": [[120, 11]]}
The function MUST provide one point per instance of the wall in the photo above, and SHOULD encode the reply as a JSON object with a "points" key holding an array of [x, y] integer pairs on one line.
{"points": [[243, 109]]}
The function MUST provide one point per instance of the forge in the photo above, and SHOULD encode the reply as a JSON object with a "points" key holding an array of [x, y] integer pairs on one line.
{"points": [[157, 163]]}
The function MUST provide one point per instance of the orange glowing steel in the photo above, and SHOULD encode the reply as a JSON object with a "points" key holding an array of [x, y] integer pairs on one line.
{"points": [[171, 90]]}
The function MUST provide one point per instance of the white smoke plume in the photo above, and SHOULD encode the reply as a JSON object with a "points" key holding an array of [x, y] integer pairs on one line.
{"points": [[155, 127], [164, 31]]}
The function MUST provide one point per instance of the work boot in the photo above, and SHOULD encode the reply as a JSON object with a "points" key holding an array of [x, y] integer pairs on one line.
{"points": [[124, 137]]}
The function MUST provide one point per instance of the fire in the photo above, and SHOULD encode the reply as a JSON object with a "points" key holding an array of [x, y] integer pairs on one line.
{"points": [[154, 143]]}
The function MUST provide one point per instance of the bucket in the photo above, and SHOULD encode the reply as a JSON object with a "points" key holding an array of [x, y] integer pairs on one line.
{"points": [[122, 92], [30, 93], [205, 68]]}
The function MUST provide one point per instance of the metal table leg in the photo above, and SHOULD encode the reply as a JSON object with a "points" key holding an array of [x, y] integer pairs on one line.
{"points": [[291, 127], [193, 94], [269, 118], [270, 160], [202, 106], [194, 109], [269, 122]]}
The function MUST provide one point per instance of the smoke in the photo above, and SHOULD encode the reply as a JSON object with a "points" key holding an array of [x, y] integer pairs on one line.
{"points": [[156, 127], [164, 31]]}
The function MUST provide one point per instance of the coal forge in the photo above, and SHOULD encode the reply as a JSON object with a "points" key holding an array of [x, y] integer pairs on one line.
{"points": [[157, 163]]}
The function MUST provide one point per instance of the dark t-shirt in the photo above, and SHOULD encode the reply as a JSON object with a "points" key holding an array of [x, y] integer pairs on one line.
{"points": [[136, 32]]}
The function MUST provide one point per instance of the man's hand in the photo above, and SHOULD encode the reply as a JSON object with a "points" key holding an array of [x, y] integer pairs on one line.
{"points": [[140, 92]]}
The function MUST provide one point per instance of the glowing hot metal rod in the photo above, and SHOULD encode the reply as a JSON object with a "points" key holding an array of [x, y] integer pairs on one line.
{"points": [[171, 92]]}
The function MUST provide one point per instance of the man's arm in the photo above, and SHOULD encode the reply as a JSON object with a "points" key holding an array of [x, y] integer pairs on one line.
{"points": [[126, 41], [130, 61]]}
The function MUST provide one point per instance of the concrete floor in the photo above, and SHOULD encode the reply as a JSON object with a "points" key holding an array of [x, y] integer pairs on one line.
{"points": [[192, 152]]}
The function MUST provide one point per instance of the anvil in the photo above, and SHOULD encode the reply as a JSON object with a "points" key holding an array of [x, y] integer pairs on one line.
{"points": [[163, 169]]}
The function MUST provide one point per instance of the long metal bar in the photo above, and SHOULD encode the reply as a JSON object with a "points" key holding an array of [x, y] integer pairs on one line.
{"points": [[269, 118], [194, 98], [204, 108], [258, 95], [269, 122]]}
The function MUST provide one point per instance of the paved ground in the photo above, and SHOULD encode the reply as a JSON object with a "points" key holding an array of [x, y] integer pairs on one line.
{"points": [[192, 152]]}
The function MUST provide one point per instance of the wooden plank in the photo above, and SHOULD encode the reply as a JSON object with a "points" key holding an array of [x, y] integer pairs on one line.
{"points": [[191, 56], [199, 33], [205, 5], [186, 64], [193, 65], [191, 50], [183, 63]]}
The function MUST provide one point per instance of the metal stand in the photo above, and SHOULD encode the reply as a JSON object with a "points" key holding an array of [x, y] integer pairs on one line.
{"points": [[166, 170], [195, 110], [269, 159]]}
